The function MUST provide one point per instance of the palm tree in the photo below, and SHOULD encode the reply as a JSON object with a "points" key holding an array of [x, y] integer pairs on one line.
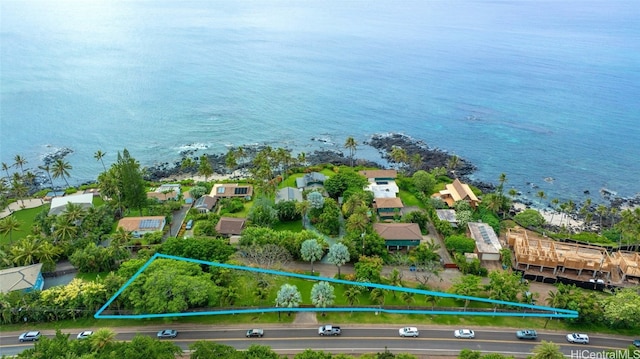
{"points": [[352, 295], [351, 145], [602, 211], [377, 296], [454, 162], [555, 202], [433, 299], [26, 251], [64, 230], [395, 279], [8, 225], [416, 161], [74, 213], [399, 155], [20, 161], [541, 195], [513, 193], [61, 168], [101, 339], [121, 237], [47, 254], [407, 297], [302, 159], [5, 167], [98, 156], [47, 169], [547, 350]]}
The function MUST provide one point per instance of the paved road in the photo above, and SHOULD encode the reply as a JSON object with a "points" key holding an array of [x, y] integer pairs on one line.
{"points": [[357, 339]]}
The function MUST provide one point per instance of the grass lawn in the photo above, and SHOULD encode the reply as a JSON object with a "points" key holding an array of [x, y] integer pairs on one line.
{"points": [[408, 199], [294, 226], [26, 217]]}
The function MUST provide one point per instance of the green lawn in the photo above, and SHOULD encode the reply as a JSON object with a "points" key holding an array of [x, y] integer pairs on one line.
{"points": [[26, 218]]}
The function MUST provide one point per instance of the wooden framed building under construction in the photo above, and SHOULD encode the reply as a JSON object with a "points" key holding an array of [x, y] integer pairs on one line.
{"points": [[592, 262]]}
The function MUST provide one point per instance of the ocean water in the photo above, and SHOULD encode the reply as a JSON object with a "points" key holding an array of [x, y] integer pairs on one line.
{"points": [[534, 89]]}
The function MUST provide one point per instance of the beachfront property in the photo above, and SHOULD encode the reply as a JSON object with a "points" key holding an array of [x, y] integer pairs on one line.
{"points": [[230, 226], [232, 190], [139, 226], [399, 236], [457, 191], [289, 194], [572, 260], [59, 204], [169, 191], [488, 245], [311, 180], [26, 278], [381, 182]]}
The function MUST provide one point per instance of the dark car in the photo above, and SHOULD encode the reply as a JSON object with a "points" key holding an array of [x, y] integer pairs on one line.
{"points": [[29, 336], [527, 334], [253, 333], [636, 343], [167, 333]]}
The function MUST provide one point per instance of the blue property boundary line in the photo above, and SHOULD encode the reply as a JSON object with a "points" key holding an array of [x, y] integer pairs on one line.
{"points": [[551, 312]]}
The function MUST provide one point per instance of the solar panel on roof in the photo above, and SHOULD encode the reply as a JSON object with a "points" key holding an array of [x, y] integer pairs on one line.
{"points": [[241, 190], [149, 223]]}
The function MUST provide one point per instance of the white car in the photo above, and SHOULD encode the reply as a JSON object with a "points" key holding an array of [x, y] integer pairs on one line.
{"points": [[84, 335], [409, 332], [578, 338], [464, 333], [29, 336]]}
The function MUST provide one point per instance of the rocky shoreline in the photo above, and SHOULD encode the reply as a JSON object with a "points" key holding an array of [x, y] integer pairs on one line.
{"points": [[383, 144]]}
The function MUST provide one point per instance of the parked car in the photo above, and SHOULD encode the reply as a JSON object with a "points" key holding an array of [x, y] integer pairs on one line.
{"points": [[85, 334], [329, 330], [527, 334], [464, 333], [409, 332], [636, 343], [167, 333], [252, 333], [578, 338], [29, 336], [189, 224]]}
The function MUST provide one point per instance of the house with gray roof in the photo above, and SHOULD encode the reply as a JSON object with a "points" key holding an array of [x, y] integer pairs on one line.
{"points": [[289, 194], [311, 179], [26, 278], [205, 203], [399, 236]]}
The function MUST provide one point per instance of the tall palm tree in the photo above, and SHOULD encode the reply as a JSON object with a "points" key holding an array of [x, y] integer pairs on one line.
{"points": [[602, 211], [399, 155], [8, 225], [407, 297], [541, 195], [47, 169], [351, 145], [433, 299], [47, 254], [554, 202], [20, 161], [61, 168], [5, 167], [302, 159], [98, 156], [454, 162]]}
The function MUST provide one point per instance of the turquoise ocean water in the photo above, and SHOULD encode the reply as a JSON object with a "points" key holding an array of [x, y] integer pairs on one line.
{"points": [[533, 89]]}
